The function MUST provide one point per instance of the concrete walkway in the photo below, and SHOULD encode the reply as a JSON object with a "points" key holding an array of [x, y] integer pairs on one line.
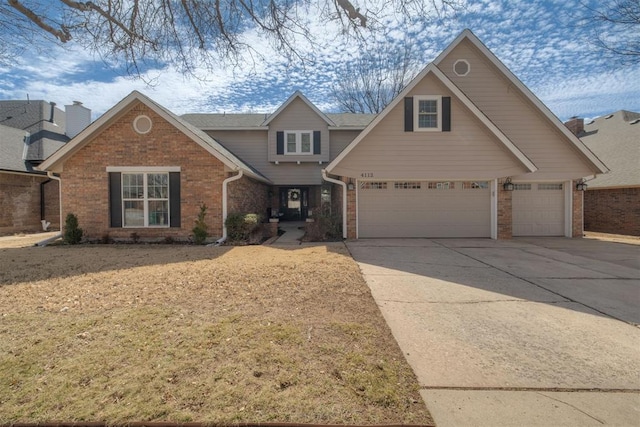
{"points": [[293, 232], [514, 333]]}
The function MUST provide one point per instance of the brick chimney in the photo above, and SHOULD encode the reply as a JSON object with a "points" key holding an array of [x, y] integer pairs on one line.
{"points": [[575, 125]]}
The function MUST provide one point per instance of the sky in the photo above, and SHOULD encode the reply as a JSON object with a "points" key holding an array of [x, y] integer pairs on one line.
{"points": [[539, 41]]}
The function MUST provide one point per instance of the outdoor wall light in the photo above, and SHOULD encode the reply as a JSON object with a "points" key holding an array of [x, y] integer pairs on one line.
{"points": [[581, 185], [508, 185], [350, 185]]}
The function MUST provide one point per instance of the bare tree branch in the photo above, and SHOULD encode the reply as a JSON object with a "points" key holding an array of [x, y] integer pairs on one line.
{"points": [[62, 34]]}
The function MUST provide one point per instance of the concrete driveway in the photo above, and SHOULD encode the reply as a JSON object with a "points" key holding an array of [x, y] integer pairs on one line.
{"points": [[528, 332]]}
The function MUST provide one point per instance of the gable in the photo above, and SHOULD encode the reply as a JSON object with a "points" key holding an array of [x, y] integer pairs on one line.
{"points": [[470, 150], [518, 114]]}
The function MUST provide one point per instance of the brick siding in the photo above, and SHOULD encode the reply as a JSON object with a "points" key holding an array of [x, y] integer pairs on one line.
{"points": [[248, 196], [20, 196], [577, 226], [505, 213], [85, 185], [351, 212], [614, 211]]}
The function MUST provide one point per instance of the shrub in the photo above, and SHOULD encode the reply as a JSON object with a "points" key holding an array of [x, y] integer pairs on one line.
{"points": [[326, 227], [241, 226], [72, 233], [200, 229]]}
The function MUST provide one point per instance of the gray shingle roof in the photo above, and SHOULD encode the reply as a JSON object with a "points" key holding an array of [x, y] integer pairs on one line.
{"points": [[35, 117], [244, 121], [12, 145], [615, 139]]}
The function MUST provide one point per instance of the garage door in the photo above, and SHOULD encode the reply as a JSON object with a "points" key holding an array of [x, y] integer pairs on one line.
{"points": [[538, 209], [424, 209]]}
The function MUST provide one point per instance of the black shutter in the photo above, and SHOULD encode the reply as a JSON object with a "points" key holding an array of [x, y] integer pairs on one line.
{"points": [[174, 199], [115, 199], [446, 113], [316, 141], [280, 142], [408, 114]]}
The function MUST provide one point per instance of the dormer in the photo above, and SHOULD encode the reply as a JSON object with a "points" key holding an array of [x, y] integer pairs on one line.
{"points": [[298, 132]]}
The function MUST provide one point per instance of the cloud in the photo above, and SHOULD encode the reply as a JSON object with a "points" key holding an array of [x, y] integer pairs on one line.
{"points": [[537, 41]]}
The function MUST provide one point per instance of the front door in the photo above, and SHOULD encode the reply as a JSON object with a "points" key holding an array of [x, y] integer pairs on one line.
{"points": [[294, 203]]}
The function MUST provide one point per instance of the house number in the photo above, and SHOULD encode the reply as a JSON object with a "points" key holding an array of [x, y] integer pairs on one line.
{"points": [[366, 175]]}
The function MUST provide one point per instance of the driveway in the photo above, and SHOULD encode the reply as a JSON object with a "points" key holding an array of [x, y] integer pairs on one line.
{"points": [[540, 331]]}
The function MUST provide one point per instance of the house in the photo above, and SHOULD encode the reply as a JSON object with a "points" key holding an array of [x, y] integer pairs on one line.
{"points": [[31, 131], [466, 150], [612, 201]]}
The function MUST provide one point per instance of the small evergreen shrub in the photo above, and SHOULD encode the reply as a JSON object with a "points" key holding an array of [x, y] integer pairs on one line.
{"points": [[326, 227], [241, 226], [72, 233], [200, 228]]}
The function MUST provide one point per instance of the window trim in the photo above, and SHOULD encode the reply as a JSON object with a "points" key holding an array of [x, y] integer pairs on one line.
{"points": [[416, 113], [298, 134], [145, 199]]}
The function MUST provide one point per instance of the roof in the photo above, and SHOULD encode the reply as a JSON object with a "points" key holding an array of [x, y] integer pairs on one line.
{"points": [[228, 121], [12, 148], [432, 69], [298, 94], [582, 149], [615, 139], [197, 135], [35, 117]]}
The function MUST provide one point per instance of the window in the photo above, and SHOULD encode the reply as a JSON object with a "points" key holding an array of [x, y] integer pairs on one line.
{"points": [[461, 67], [550, 186], [298, 142], [411, 185], [519, 187], [474, 185], [144, 196], [145, 199], [441, 185], [373, 185], [427, 113]]}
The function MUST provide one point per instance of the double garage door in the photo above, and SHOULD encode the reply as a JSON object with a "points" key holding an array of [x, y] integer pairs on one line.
{"points": [[424, 209], [455, 209]]}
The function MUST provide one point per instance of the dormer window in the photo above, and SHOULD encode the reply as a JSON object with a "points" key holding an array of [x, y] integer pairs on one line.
{"points": [[298, 142]]}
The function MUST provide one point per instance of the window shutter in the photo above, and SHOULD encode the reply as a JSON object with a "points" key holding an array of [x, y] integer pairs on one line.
{"points": [[446, 113], [316, 141], [115, 199], [174, 199], [280, 142], [408, 114]]}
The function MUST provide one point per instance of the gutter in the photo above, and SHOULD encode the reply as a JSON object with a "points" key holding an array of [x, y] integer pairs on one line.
{"points": [[225, 192], [57, 236], [344, 200]]}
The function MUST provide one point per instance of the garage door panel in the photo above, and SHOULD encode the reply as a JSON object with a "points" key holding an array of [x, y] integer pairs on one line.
{"points": [[538, 209], [424, 212]]}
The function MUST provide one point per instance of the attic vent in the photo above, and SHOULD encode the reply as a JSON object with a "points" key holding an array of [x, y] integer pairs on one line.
{"points": [[635, 121], [142, 124], [608, 117], [461, 67], [591, 122]]}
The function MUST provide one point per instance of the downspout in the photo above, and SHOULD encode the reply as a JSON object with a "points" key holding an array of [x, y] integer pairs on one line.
{"points": [[42, 202], [57, 236], [225, 183], [344, 200]]}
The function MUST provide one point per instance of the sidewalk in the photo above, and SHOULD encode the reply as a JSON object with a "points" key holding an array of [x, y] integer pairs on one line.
{"points": [[293, 232]]}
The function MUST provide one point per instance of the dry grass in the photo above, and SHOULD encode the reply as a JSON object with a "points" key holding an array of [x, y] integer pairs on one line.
{"points": [[183, 333]]}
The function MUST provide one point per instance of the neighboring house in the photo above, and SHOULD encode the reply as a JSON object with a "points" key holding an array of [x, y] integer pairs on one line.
{"points": [[612, 200], [31, 131], [439, 161]]}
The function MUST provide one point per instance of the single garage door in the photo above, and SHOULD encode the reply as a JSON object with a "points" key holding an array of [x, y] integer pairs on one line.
{"points": [[424, 209], [538, 209]]}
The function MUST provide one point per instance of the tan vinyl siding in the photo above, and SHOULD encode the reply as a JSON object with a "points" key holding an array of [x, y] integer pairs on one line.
{"points": [[251, 147], [515, 115], [298, 116], [340, 139], [469, 151]]}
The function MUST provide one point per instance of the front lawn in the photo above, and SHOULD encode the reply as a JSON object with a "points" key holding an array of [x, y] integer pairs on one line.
{"points": [[122, 333]]}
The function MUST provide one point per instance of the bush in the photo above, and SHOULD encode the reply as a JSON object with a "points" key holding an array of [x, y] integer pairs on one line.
{"points": [[241, 226], [72, 233], [325, 227], [200, 229]]}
